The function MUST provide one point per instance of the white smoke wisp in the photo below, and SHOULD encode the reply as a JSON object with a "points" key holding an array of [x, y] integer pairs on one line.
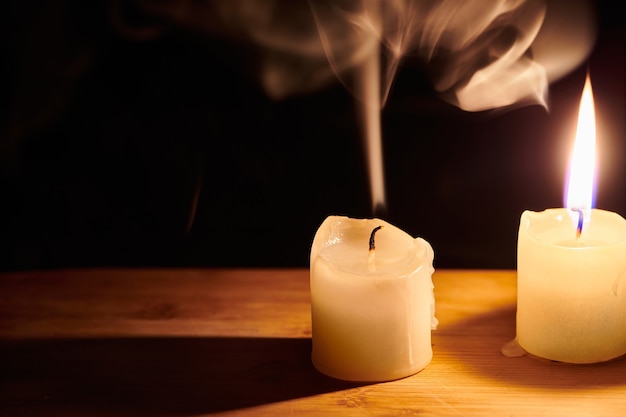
{"points": [[487, 63], [481, 54]]}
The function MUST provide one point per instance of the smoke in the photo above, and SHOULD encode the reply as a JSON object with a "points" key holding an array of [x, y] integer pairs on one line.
{"points": [[481, 55]]}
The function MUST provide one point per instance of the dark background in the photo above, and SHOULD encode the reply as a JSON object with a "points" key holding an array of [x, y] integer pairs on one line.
{"points": [[157, 152]]}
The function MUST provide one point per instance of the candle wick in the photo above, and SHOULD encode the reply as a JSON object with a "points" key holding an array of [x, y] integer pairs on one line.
{"points": [[371, 266], [581, 217], [372, 236]]}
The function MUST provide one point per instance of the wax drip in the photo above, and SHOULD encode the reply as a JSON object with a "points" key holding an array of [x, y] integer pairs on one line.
{"points": [[371, 266], [581, 218]]}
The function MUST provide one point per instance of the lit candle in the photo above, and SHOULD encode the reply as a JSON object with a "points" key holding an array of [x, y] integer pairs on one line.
{"points": [[372, 303], [571, 271]]}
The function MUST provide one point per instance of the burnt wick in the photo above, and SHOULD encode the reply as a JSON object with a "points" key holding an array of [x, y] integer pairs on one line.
{"points": [[372, 241], [371, 265], [581, 218]]}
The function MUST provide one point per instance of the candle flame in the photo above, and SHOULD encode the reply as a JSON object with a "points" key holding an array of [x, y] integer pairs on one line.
{"points": [[580, 183]]}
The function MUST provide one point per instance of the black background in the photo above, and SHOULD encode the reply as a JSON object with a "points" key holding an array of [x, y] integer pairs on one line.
{"points": [[109, 142]]}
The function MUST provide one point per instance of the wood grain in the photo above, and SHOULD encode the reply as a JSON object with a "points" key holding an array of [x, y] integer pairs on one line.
{"points": [[182, 342]]}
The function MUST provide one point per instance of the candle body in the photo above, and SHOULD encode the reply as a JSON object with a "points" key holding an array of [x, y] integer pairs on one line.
{"points": [[571, 295], [370, 322]]}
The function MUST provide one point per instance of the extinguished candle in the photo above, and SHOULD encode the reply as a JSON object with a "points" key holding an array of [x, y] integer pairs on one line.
{"points": [[571, 269], [372, 308]]}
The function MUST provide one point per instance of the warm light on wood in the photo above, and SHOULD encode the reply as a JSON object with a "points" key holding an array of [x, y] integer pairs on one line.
{"points": [[236, 342]]}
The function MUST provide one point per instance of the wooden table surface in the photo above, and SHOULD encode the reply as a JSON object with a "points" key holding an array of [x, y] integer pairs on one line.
{"points": [[182, 342]]}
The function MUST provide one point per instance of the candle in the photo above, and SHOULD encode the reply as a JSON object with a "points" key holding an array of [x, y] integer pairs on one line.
{"points": [[372, 302], [571, 295]]}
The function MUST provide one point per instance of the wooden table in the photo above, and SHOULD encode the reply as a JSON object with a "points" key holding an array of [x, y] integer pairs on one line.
{"points": [[179, 342]]}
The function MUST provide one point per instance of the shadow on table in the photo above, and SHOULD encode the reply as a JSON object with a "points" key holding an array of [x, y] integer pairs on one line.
{"points": [[484, 335], [157, 376]]}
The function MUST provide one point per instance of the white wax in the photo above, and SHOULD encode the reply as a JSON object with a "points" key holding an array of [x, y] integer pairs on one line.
{"points": [[370, 322], [571, 293]]}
